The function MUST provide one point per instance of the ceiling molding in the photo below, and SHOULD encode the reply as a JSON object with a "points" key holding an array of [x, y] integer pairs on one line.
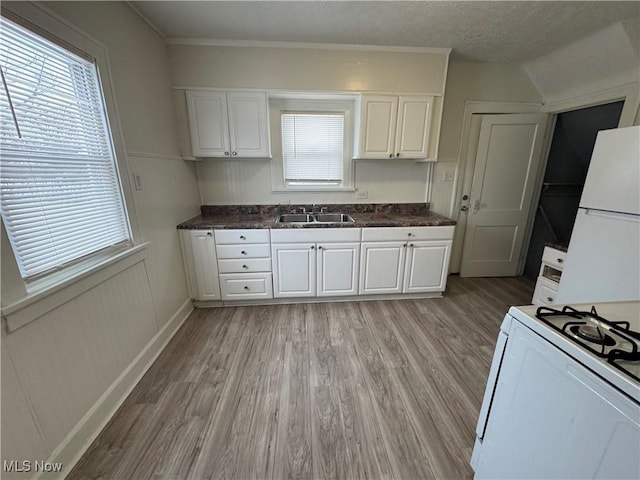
{"points": [[303, 45], [146, 19]]}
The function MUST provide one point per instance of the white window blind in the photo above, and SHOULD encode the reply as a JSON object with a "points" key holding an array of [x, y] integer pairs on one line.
{"points": [[60, 193], [313, 147]]}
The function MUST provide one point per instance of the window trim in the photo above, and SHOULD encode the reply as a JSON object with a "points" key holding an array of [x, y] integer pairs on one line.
{"points": [[319, 104], [42, 21]]}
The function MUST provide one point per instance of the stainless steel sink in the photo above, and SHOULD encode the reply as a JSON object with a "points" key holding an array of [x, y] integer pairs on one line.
{"points": [[315, 218], [295, 218], [333, 218]]}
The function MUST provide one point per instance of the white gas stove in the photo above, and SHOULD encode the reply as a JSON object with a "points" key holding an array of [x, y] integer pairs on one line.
{"points": [[563, 395]]}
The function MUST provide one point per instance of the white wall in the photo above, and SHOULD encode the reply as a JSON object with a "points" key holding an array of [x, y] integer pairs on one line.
{"points": [[472, 82], [68, 361], [249, 182], [606, 59]]}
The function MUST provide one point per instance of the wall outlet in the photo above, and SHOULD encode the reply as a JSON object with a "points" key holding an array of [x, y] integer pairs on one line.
{"points": [[362, 194], [137, 181]]}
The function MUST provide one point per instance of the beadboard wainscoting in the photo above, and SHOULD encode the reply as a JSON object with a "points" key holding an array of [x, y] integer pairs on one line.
{"points": [[66, 373]]}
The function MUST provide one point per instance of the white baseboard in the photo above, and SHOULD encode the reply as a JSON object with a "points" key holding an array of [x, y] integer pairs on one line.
{"points": [[76, 443]]}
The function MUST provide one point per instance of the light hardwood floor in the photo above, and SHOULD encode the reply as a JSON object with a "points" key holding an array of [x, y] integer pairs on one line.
{"points": [[381, 389]]}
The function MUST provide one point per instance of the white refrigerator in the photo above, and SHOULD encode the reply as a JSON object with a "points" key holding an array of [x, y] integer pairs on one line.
{"points": [[603, 259]]}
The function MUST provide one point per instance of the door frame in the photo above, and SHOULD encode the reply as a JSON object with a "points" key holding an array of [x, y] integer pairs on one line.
{"points": [[466, 166]]}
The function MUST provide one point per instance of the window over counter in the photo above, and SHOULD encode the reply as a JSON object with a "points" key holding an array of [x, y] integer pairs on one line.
{"points": [[312, 143], [61, 198]]}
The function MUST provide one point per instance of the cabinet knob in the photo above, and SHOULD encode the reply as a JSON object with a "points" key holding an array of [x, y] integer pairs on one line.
{"points": [[209, 234], [409, 234], [397, 154], [560, 260], [243, 252], [404, 246], [391, 155], [411, 245], [226, 153], [242, 237], [313, 247], [246, 288], [245, 267], [234, 154], [549, 299], [320, 248]]}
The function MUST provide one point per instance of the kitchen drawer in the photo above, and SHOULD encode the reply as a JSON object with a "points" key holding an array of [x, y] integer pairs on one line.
{"points": [[242, 236], [313, 235], [554, 257], [246, 286], [545, 292], [243, 251], [391, 234], [239, 265]]}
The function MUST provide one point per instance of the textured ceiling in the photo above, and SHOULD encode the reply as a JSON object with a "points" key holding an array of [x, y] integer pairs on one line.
{"points": [[496, 31]]}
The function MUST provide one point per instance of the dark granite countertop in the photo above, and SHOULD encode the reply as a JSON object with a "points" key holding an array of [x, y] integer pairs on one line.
{"points": [[365, 215], [558, 246]]}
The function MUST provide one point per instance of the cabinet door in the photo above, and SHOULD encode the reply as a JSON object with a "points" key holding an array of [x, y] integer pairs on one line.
{"points": [[427, 267], [208, 123], [205, 265], [414, 122], [294, 269], [248, 124], [338, 269], [378, 126], [381, 267]]}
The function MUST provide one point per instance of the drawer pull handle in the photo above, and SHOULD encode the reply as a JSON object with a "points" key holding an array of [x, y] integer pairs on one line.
{"points": [[560, 260], [549, 299], [245, 267], [243, 252], [246, 288], [242, 237]]}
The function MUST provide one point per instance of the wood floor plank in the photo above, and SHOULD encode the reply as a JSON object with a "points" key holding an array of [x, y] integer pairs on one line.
{"points": [[357, 390]]}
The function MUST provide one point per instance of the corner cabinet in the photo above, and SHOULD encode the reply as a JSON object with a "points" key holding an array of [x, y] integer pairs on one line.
{"points": [[228, 124], [201, 265], [394, 126]]}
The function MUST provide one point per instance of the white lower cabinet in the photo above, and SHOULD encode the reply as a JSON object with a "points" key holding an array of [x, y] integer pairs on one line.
{"points": [[405, 260], [199, 252], [244, 262], [382, 266], [315, 262], [324, 262], [426, 266], [294, 269], [337, 269]]}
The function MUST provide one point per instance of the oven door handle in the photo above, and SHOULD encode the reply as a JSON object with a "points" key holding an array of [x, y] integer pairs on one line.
{"points": [[492, 381]]}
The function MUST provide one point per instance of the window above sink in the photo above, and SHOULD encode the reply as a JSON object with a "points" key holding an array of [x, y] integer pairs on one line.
{"points": [[312, 143]]}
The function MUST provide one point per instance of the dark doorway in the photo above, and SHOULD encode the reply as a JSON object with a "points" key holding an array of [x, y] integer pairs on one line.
{"points": [[571, 147]]}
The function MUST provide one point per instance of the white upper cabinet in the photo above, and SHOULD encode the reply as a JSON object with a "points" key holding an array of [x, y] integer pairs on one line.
{"points": [[228, 123], [394, 126]]}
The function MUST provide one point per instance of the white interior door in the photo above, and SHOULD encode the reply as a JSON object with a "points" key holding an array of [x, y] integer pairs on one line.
{"points": [[507, 163]]}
